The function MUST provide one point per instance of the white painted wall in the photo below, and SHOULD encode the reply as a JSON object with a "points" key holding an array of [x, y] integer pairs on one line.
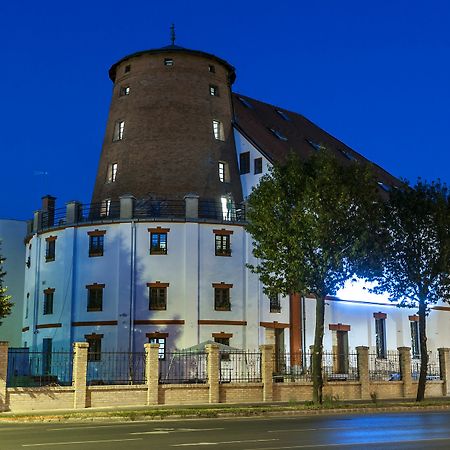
{"points": [[12, 234]]}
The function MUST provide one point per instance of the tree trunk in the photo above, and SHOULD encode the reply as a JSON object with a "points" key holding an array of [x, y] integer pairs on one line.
{"points": [[423, 352], [318, 350]]}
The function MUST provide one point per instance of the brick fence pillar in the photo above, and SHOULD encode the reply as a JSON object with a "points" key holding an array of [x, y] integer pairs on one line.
{"points": [[362, 354], [3, 373], [267, 369], [405, 370], [444, 364], [213, 372], [80, 356], [152, 372]]}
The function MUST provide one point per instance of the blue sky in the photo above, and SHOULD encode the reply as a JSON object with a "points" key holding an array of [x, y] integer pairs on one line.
{"points": [[374, 74]]}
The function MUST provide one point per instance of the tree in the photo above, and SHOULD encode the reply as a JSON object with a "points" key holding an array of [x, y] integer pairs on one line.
{"points": [[416, 261], [314, 226], [5, 300]]}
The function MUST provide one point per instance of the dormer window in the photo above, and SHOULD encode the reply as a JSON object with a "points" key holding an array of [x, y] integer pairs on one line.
{"points": [[384, 186], [315, 145], [245, 102], [211, 68], [278, 134], [348, 155], [168, 61], [283, 115]]}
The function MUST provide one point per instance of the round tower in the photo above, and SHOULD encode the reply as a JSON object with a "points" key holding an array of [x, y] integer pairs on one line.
{"points": [[169, 130]]}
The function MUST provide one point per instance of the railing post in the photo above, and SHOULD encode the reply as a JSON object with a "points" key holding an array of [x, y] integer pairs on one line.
{"points": [[267, 369], [405, 370], [80, 362], [191, 204], [73, 212], [152, 372], [444, 366], [362, 355], [213, 372], [37, 221], [3, 375], [127, 206]]}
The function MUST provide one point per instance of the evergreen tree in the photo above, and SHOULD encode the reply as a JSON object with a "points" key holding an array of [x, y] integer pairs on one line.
{"points": [[5, 300]]}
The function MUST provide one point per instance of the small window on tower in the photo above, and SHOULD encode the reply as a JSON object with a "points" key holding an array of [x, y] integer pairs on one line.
{"points": [[211, 68], [224, 172], [168, 61], [119, 128], [213, 90], [258, 165], [112, 173], [127, 68], [105, 207], [124, 90], [218, 130]]}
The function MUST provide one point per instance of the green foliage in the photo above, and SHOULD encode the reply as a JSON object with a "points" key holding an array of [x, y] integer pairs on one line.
{"points": [[5, 300], [416, 260], [315, 225]]}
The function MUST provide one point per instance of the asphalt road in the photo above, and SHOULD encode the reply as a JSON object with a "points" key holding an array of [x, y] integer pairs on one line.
{"points": [[417, 430]]}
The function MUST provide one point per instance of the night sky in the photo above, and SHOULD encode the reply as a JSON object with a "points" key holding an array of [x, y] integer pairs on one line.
{"points": [[374, 74]]}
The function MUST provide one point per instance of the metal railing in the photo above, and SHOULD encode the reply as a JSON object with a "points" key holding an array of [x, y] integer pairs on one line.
{"points": [[154, 209], [35, 369], [340, 366], [240, 367], [98, 212], [213, 209], [183, 367], [292, 367], [53, 218], [385, 369], [116, 368], [433, 368]]}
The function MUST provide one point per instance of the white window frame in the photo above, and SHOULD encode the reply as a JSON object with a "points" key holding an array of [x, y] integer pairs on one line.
{"points": [[119, 129], [219, 134]]}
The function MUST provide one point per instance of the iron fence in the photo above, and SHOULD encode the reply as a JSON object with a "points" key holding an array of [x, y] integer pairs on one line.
{"points": [[183, 367], [213, 209], [240, 367], [99, 211], [116, 368], [292, 367], [35, 369], [433, 368], [340, 366], [53, 218], [385, 369], [154, 209]]}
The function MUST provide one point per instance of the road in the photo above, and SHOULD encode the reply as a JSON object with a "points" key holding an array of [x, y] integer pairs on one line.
{"points": [[417, 430]]}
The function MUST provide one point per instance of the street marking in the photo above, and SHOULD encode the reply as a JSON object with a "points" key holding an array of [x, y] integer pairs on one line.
{"points": [[80, 442], [192, 444], [351, 444], [175, 430], [313, 429]]}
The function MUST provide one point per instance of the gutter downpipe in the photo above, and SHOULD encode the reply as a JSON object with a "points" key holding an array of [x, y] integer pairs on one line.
{"points": [[132, 287]]}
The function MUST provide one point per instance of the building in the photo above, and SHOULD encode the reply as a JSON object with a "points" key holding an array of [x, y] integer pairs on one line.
{"points": [[160, 254], [12, 233]]}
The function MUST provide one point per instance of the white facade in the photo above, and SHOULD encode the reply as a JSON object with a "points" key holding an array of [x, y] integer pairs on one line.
{"points": [[12, 234]]}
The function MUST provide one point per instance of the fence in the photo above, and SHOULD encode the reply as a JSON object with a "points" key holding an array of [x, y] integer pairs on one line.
{"points": [[116, 368], [433, 369], [35, 369], [340, 366], [292, 366], [183, 367], [385, 369], [240, 367]]}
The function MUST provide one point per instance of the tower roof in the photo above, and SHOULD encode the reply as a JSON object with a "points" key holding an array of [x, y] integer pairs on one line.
{"points": [[171, 49]]}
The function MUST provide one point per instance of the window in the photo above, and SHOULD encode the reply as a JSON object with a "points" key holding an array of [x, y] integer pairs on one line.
{"points": [[124, 90], [380, 334], [158, 240], [112, 173], [315, 145], [105, 207], [157, 296], [222, 296], [245, 102], [213, 90], [95, 346], [224, 172], [223, 339], [415, 343], [96, 241], [218, 130], [168, 61], [211, 68], [244, 163], [48, 301], [127, 68], [222, 242], [119, 127], [258, 165], [50, 245], [95, 297], [348, 155], [283, 115], [384, 186], [228, 210], [278, 134], [156, 338], [27, 306], [275, 305]]}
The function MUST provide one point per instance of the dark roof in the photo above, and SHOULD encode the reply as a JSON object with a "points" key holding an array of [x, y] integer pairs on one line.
{"points": [[261, 122], [172, 49]]}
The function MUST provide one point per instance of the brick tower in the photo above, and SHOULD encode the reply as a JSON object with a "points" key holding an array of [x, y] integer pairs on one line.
{"points": [[169, 129]]}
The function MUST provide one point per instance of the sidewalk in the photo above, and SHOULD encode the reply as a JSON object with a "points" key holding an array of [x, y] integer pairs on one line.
{"points": [[173, 412]]}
